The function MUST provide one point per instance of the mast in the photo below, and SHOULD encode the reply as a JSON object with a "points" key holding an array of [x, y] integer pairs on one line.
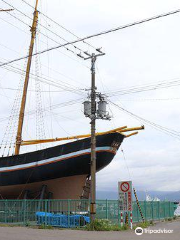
{"points": [[23, 101]]}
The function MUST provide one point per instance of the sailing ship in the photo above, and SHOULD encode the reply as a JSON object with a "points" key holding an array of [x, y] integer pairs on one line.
{"points": [[59, 172]]}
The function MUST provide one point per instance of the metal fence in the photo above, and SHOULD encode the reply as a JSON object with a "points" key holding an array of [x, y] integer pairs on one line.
{"points": [[109, 209], [24, 212]]}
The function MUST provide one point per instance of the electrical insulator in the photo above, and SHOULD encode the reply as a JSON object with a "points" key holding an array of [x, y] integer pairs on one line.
{"points": [[102, 108], [87, 108]]}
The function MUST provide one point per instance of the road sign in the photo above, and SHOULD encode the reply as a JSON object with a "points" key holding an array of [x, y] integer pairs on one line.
{"points": [[124, 186], [125, 195]]}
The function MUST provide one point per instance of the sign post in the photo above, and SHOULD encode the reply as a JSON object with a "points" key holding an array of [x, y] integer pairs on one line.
{"points": [[125, 198]]}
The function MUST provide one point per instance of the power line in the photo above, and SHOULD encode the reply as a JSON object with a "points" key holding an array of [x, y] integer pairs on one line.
{"points": [[151, 99], [97, 35], [143, 88]]}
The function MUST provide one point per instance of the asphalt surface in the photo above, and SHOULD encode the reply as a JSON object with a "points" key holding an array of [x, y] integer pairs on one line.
{"points": [[23, 233]]}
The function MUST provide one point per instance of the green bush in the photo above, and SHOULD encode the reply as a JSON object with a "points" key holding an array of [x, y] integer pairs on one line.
{"points": [[103, 225], [151, 222]]}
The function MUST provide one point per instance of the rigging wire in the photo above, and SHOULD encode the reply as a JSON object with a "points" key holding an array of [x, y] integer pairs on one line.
{"points": [[33, 90], [96, 35], [54, 106], [63, 85], [14, 26], [78, 61], [158, 127], [18, 19], [67, 30], [39, 24], [55, 118], [40, 129], [125, 160], [77, 48], [8, 141], [65, 76]]}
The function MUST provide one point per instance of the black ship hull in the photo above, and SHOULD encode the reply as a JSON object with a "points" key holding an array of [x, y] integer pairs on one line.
{"points": [[63, 161]]}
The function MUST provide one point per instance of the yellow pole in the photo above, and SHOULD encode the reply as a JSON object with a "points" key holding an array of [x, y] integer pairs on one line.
{"points": [[23, 102], [31, 142], [131, 134], [119, 130], [131, 129]]}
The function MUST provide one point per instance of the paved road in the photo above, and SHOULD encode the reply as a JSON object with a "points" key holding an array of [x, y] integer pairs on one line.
{"points": [[22, 233]]}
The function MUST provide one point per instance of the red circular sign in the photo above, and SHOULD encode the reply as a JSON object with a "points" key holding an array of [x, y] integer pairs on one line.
{"points": [[124, 186]]}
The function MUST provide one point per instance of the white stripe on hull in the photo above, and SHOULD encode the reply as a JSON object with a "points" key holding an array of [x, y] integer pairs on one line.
{"points": [[55, 159]]}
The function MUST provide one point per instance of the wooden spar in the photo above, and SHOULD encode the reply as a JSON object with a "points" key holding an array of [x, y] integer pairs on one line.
{"points": [[119, 130], [31, 142], [23, 101], [131, 134], [132, 129], [6, 10]]}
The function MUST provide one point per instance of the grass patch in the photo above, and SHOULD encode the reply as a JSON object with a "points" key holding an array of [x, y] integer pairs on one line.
{"points": [[103, 225], [144, 224], [43, 226], [10, 225], [168, 219]]}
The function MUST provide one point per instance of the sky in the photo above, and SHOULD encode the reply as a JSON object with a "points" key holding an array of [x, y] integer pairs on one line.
{"points": [[141, 55]]}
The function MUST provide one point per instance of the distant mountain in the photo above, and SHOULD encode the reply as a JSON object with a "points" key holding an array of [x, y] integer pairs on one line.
{"points": [[107, 195], [162, 195]]}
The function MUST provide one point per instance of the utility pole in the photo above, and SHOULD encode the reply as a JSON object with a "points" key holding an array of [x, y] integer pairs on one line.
{"points": [[93, 139], [90, 110]]}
